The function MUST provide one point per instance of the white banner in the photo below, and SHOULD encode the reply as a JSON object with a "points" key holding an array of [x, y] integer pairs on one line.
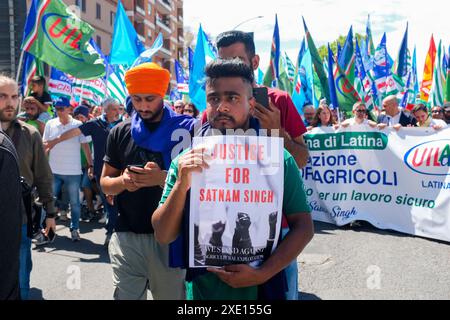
{"points": [[236, 204], [394, 180]]}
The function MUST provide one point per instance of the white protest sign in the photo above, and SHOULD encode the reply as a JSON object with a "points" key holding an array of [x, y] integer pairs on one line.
{"points": [[236, 204]]}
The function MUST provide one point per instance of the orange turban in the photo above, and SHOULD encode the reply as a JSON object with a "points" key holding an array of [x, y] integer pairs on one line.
{"points": [[147, 78]]}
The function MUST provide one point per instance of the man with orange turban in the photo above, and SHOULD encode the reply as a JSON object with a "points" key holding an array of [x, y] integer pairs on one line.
{"points": [[138, 152]]}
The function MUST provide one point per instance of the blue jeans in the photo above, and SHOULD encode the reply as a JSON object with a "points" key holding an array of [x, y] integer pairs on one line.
{"points": [[291, 275], [111, 211], [72, 186], [25, 264]]}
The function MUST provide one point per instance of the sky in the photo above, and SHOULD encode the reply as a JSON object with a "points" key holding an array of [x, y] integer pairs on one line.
{"points": [[326, 20]]}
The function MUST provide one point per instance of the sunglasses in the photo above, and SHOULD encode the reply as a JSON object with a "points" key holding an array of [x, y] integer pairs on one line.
{"points": [[437, 111], [361, 111], [60, 108]]}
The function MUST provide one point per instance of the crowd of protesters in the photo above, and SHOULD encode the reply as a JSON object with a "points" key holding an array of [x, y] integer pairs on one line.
{"points": [[111, 162]]}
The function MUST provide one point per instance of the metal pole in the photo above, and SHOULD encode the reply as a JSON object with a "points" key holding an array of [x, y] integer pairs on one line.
{"points": [[12, 42], [19, 67], [254, 18]]}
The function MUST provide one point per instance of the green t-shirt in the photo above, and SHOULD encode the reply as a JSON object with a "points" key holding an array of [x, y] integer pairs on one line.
{"points": [[209, 286], [84, 162]]}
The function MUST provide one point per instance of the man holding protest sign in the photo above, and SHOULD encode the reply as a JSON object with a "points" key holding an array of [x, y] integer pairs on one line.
{"points": [[230, 103], [138, 152]]}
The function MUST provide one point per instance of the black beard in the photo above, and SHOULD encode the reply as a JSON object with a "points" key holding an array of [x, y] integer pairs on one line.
{"points": [[154, 116]]}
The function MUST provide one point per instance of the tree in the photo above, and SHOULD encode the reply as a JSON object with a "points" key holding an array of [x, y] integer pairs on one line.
{"points": [[323, 50]]}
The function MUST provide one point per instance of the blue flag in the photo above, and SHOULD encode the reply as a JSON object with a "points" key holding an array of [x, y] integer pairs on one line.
{"points": [[175, 95], [301, 54], [203, 54], [303, 89], [126, 46], [275, 52], [382, 65], [60, 84], [347, 52], [260, 77], [147, 55], [191, 59], [414, 74], [405, 98], [331, 84], [402, 60], [182, 80], [339, 51]]}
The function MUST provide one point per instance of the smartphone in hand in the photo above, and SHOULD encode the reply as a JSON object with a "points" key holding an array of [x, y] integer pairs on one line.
{"points": [[51, 235], [140, 166], [261, 96]]}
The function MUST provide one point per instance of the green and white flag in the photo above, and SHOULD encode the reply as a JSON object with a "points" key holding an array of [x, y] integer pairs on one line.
{"points": [[56, 36], [439, 81], [116, 85]]}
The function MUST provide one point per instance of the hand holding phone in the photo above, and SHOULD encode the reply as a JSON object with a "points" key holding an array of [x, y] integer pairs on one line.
{"points": [[130, 168], [51, 235], [261, 95]]}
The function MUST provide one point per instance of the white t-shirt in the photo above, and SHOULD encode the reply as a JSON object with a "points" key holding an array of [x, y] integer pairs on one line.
{"points": [[352, 122], [65, 158]]}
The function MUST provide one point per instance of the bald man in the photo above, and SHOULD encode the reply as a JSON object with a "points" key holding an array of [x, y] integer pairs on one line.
{"points": [[394, 117]]}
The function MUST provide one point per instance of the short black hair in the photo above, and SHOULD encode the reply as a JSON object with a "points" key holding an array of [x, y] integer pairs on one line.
{"points": [[228, 68], [38, 80], [228, 38]]}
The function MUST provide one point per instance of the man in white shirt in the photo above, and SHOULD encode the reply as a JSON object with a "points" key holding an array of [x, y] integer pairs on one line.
{"points": [[360, 117], [394, 117], [65, 159]]}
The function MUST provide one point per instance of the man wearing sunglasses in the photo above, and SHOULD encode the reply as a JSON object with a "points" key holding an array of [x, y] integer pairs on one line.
{"points": [[437, 112], [360, 118], [65, 159]]}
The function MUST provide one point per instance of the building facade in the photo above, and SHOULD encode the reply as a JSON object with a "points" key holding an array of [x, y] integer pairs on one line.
{"points": [[149, 18], [13, 14]]}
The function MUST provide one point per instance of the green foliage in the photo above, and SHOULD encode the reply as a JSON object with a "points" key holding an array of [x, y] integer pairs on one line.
{"points": [[323, 50]]}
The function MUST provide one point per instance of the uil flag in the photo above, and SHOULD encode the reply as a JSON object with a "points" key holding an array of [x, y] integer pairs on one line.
{"points": [[381, 70], [182, 80], [55, 35], [428, 72]]}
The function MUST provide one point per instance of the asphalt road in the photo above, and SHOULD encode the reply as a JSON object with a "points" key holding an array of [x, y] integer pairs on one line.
{"points": [[340, 263]]}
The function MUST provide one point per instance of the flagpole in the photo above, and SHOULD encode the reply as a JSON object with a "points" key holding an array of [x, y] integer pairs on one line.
{"points": [[81, 95], [19, 67]]}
